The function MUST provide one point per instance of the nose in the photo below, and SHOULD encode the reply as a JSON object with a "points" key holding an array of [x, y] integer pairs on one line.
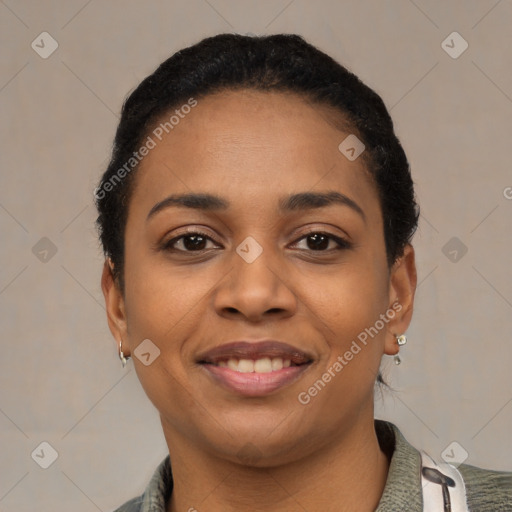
{"points": [[255, 289]]}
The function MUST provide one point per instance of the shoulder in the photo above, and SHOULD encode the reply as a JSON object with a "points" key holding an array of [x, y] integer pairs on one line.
{"points": [[487, 490], [133, 505], [484, 490], [157, 493]]}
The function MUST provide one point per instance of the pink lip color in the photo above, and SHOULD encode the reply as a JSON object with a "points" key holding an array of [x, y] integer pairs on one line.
{"points": [[252, 383]]}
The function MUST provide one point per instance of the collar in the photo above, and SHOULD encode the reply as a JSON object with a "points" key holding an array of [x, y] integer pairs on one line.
{"points": [[402, 491]]}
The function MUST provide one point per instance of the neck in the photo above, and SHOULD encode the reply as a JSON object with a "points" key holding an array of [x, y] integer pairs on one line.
{"points": [[348, 474]]}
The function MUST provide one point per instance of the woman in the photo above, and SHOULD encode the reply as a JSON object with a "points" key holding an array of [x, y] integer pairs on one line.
{"points": [[256, 218]]}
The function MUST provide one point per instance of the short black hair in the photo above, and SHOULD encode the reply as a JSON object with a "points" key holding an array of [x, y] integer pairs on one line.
{"points": [[279, 62]]}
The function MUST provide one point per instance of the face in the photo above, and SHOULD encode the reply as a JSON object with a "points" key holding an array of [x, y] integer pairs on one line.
{"points": [[263, 260]]}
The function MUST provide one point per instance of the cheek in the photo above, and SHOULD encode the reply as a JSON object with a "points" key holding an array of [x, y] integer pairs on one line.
{"points": [[345, 379], [161, 302], [346, 308], [349, 298], [165, 308]]}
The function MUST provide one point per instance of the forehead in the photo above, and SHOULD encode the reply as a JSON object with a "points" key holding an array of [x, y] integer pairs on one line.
{"points": [[251, 146]]}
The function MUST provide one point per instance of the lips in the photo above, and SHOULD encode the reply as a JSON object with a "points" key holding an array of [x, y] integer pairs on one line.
{"points": [[254, 368]]}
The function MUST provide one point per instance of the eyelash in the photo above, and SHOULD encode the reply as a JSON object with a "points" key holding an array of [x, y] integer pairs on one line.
{"points": [[342, 243]]}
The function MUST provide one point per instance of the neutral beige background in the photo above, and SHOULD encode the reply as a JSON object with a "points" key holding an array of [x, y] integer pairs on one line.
{"points": [[60, 378]]}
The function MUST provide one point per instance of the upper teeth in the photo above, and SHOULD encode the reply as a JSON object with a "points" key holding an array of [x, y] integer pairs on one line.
{"points": [[263, 365]]}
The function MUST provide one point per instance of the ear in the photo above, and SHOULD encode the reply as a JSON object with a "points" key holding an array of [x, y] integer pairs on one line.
{"points": [[403, 280], [114, 303]]}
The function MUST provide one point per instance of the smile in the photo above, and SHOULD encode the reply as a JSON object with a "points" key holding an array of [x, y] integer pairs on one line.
{"points": [[254, 369]]}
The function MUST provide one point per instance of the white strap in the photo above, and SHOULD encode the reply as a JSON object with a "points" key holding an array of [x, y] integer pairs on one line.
{"points": [[433, 500]]}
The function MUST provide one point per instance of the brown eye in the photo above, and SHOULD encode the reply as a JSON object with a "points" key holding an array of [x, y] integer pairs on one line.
{"points": [[320, 242], [189, 242]]}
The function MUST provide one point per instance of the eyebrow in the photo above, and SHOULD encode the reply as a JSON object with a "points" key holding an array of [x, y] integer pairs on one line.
{"points": [[293, 202]]}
